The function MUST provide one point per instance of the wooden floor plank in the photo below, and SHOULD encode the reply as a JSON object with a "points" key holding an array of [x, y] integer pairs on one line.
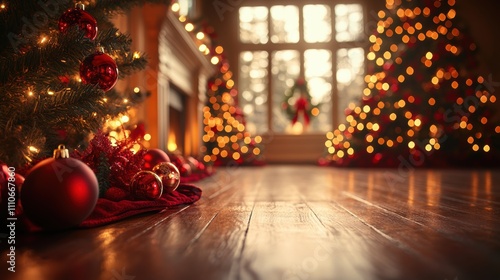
{"points": [[292, 222]]}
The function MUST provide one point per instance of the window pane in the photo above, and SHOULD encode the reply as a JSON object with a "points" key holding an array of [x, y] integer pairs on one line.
{"points": [[286, 69], [285, 24], [317, 23], [253, 25], [253, 83], [318, 73], [350, 73], [349, 22]]}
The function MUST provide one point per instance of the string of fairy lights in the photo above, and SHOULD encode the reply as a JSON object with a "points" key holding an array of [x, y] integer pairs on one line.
{"points": [[366, 119]]}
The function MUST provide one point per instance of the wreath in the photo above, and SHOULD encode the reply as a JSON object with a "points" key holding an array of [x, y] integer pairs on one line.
{"points": [[298, 102]]}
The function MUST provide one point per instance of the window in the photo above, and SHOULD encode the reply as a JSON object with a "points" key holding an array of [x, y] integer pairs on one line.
{"points": [[279, 44]]}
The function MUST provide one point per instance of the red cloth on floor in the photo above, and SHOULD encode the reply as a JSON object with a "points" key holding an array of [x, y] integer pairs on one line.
{"points": [[107, 211]]}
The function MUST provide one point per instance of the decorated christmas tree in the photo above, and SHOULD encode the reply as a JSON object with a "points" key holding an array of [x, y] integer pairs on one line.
{"points": [[58, 69], [423, 104], [226, 139], [59, 62]]}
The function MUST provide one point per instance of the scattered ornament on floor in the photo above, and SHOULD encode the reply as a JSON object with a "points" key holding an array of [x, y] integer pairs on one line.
{"points": [[169, 174], [154, 157], [78, 16], [99, 69], [59, 192], [180, 161], [196, 165], [146, 185]]}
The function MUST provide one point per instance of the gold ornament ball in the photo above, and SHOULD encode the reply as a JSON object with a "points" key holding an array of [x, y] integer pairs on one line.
{"points": [[169, 174]]}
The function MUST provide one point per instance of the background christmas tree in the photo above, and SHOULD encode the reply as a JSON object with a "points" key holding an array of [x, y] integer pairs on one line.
{"points": [[423, 103], [43, 101], [226, 139]]}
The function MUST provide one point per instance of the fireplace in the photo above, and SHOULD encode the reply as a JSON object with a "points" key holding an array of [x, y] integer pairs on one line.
{"points": [[176, 121]]}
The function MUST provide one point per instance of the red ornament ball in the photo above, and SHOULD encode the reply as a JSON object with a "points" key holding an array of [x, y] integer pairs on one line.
{"points": [[154, 157], [59, 192], [146, 185], [169, 174], [84, 20], [99, 68], [186, 170]]}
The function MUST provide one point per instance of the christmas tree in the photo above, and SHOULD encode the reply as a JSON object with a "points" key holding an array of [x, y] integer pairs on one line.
{"points": [[423, 105], [226, 139], [59, 63]]}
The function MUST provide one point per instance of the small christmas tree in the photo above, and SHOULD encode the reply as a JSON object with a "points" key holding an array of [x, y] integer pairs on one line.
{"points": [[226, 139], [423, 102], [55, 82]]}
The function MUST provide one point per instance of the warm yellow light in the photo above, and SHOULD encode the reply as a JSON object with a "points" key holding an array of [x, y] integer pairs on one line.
{"points": [[43, 40], [33, 149], [136, 55], [202, 48], [50, 92], [411, 144], [340, 154], [369, 138], [486, 148], [370, 149], [189, 27], [200, 35], [125, 119], [375, 127], [176, 7], [215, 60], [147, 137], [475, 147]]}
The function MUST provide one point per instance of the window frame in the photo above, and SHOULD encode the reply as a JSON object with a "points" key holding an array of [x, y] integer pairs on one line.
{"points": [[301, 46]]}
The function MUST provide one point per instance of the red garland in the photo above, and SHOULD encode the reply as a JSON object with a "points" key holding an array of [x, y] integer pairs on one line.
{"points": [[121, 162]]}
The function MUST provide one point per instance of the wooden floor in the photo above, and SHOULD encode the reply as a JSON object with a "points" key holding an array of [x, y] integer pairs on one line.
{"points": [[292, 222]]}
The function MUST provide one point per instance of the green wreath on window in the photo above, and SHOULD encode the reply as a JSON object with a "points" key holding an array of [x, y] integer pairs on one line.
{"points": [[298, 101]]}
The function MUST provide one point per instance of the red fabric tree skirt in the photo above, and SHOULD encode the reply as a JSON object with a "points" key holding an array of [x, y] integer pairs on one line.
{"points": [[107, 211]]}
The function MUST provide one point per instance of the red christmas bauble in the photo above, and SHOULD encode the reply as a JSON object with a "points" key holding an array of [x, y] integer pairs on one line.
{"points": [[169, 174], [185, 170], [77, 16], [10, 186], [154, 157], [146, 185], [59, 192], [99, 68]]}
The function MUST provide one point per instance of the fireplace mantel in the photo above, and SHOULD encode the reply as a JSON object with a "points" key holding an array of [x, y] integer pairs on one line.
{"points": [[174, 62], [180, 60]]}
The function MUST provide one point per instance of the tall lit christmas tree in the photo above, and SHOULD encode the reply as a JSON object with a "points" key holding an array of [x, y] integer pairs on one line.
{"points": [[226, 139], [59, 63], [423, 104]]}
